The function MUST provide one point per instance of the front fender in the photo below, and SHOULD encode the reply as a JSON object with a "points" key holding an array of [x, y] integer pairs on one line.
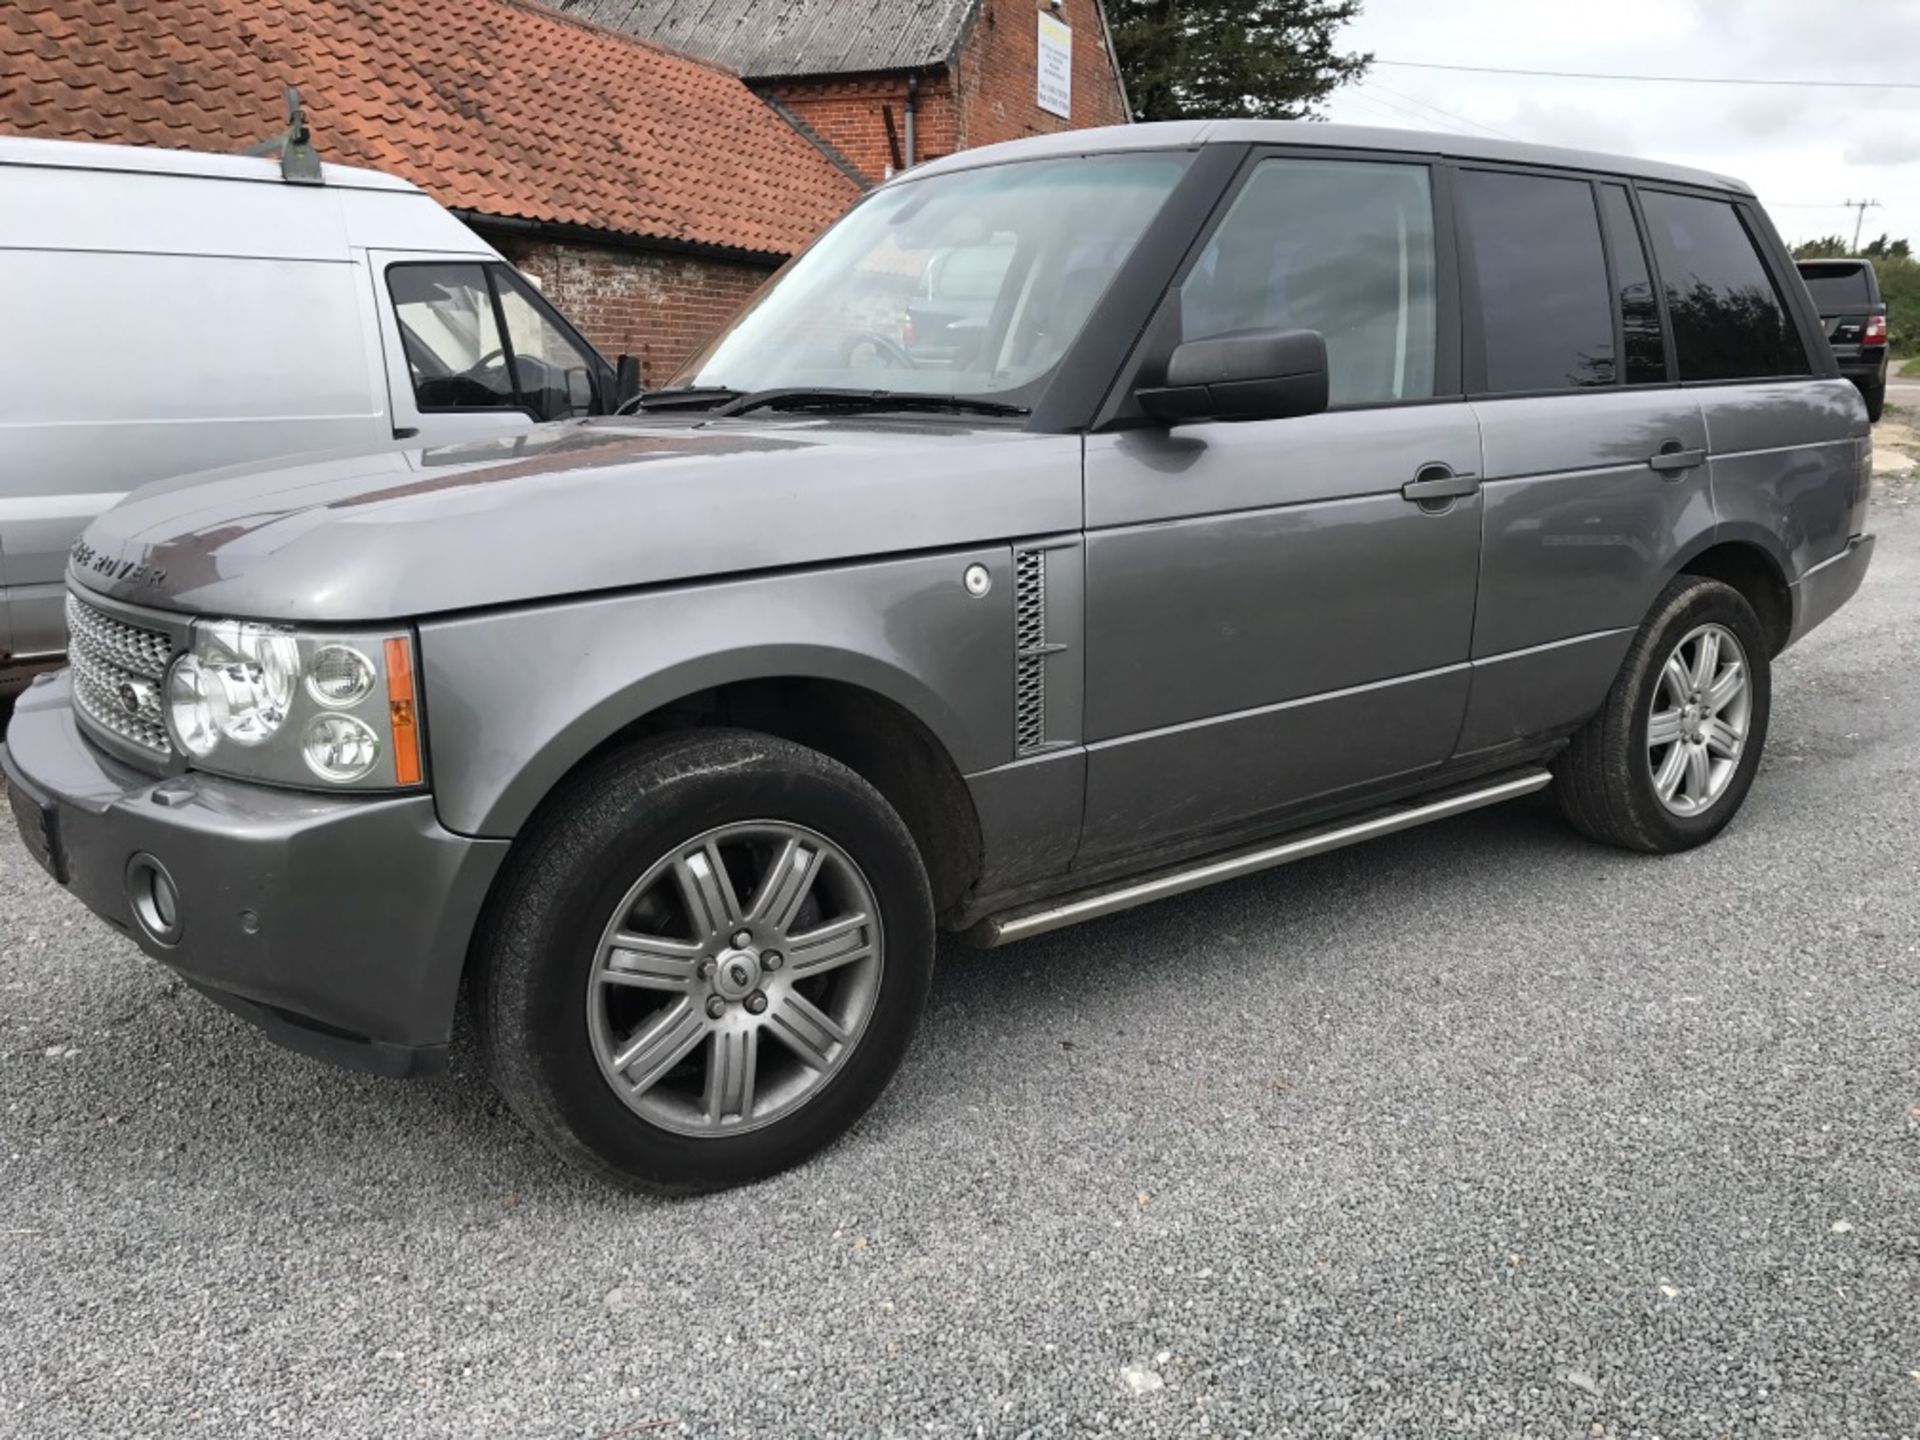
{"points": [[515, 699]]}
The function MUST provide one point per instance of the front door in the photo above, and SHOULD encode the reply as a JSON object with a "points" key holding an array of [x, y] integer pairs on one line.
{"points": [[1279, 613]]}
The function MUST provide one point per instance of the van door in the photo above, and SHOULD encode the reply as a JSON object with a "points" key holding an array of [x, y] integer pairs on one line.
{"points": [[1278, 611], [472, 349], [1596, 471]]}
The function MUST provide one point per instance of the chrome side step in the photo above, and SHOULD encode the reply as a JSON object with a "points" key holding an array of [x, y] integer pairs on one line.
{"points": [[1124, 895]]}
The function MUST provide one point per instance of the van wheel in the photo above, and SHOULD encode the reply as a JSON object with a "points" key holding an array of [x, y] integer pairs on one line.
{"points": [[705, 962], [1671, 755]]}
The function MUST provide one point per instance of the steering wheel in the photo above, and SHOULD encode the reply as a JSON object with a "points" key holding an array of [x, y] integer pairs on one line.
{"points": [[892, 355]]}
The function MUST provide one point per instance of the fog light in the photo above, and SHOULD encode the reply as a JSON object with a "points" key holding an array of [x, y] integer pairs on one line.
{"points": [[154, 899]]}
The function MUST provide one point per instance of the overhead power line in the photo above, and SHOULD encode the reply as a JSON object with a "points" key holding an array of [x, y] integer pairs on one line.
{"points": [[1654, 79]]}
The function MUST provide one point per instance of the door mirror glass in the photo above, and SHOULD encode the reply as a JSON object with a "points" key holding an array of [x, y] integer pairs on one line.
{"points": [[580, 390], [1255, 375]]}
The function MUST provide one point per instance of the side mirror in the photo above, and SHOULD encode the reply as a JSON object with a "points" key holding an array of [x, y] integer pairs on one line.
{"points": [[626, 379], [1251, 375]]}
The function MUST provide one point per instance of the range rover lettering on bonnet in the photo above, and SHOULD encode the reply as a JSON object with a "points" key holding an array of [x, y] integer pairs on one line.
{"points": [[85, 557]]}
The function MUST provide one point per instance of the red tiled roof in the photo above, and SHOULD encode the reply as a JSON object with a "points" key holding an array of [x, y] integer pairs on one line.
{"points": [[498, 106]]}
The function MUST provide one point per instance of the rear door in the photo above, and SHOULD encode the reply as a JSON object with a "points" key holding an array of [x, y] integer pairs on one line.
{"points": [[1595, 456], [1785, 436], [1274, 622], [472, 349]]}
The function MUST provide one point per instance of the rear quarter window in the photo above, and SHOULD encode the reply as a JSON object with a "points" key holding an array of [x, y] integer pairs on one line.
{"points": [[1729, 320]]}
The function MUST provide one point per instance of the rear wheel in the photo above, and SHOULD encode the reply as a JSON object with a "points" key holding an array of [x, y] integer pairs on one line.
{"points": [[1669, 759], [707, 961], [1875, 392]]}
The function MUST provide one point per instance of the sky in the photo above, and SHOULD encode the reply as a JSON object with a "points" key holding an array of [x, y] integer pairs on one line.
{"points": [[1804, 151]]}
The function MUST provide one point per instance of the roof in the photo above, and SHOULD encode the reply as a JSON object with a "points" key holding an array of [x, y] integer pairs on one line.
{"points": [[769, 39], [1311, 134], [144, 160], [501, 107]]}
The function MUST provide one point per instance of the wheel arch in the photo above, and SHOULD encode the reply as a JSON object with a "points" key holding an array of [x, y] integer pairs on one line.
{"points": [[879, 721], [1749, 562]]}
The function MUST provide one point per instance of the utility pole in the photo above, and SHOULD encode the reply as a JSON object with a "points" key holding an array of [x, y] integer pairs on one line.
{"points": [[1860, 208]]}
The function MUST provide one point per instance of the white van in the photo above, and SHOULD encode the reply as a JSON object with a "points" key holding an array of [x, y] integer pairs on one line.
{"points": [[164, 312]]}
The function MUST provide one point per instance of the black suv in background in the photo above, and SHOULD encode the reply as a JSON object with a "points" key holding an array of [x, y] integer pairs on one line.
{"points": [[1847, 294]]}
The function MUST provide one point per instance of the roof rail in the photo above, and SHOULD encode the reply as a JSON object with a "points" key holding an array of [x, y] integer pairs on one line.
{"points": [[299, 161]]}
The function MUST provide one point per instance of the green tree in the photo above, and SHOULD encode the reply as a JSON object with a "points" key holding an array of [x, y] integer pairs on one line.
{"points": [[1888, 249], [1827, 247], [1214, 59]]}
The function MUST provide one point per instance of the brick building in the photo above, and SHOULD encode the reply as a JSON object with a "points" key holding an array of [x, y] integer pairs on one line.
{"points": [[887, 83], [649, 182]]}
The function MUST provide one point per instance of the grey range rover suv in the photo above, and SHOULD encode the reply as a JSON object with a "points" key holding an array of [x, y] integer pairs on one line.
{"points": [[1301, 484]]}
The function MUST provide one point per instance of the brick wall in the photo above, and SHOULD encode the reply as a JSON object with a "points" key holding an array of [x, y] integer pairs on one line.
{"points": [[990, 95], [997, 74], [850, 115], [661, 307]]}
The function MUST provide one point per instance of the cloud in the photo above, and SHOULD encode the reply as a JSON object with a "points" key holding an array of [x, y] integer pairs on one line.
{"points": [[1883, 149]]}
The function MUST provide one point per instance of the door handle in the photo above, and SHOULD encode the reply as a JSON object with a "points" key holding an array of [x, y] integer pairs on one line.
{"points": [[1439, 483], [1671, 459]]}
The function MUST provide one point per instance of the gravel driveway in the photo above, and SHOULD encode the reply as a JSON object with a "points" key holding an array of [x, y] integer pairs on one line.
{"points": [[1477, 1130]]}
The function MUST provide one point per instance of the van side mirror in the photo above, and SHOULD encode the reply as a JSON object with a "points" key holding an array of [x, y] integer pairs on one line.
{"points": [[1250, 375], [626, 379], [579, 391]]}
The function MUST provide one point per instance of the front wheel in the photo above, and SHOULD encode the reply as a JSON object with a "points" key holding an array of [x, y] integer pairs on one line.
{"points": [[706, 962], [1670, 757]]}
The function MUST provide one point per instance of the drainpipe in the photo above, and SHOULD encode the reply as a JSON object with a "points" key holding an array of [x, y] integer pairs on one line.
{"points": [[913, 106]]}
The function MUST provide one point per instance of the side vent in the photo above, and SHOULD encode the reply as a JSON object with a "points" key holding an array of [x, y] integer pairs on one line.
{"points": [[1030, 650]]}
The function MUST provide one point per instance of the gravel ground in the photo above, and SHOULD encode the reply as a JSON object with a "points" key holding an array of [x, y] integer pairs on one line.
{"points": [[1477, 1130]]}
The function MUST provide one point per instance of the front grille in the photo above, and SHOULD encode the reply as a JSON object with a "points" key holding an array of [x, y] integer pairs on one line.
{"points": [[119, 674]]}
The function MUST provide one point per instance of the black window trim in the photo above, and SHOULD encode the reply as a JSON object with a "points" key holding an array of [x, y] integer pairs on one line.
{"points": [[1158, 338], [1771, 252], [487, 269]]}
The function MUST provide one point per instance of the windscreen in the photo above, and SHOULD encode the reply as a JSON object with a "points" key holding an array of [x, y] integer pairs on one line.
{"points": [[973, 282], [1837, 287]]}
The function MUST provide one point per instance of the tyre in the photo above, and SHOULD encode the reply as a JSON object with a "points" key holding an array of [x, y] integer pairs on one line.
{"points": [[1669, 758], [1875, 392], [705, 960]]}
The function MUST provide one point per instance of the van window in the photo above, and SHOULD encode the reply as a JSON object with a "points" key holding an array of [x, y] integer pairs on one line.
{"points": [[1342, 248], [1729, 322], [555, 376], [1639, 309], [452, 339], [1545, 311]]}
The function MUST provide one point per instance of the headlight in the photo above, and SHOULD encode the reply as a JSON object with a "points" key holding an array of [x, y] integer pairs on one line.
{"points": [[290, 707]]}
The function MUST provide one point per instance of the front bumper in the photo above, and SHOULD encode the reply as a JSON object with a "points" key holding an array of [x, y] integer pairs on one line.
{"points": [[340, 925], [1829, 585]]}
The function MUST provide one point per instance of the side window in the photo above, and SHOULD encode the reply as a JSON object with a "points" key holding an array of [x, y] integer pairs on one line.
{"points": [[1729, 322], [447, 327], [1646, 347], [556, 376], [1545, 313], [1342, 248]]}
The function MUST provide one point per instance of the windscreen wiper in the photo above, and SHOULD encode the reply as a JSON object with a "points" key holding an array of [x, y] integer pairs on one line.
{"points": [[809, 398], [684, 397]]}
